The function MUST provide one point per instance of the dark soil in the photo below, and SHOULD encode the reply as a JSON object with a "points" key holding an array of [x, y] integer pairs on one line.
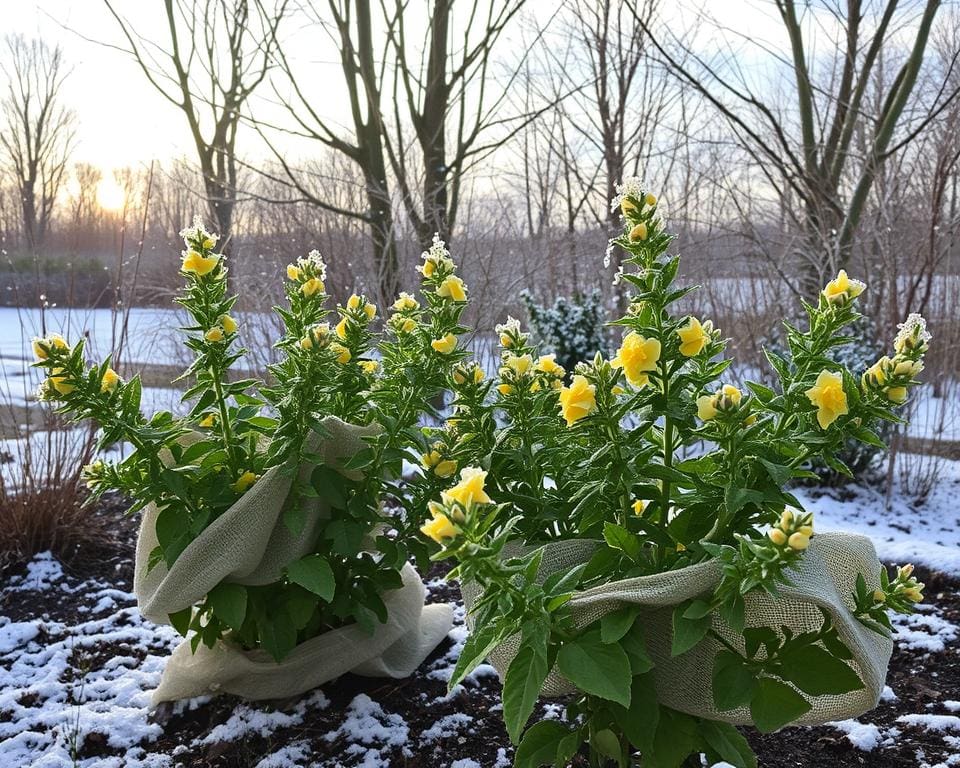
{"points": [[921, 682]]}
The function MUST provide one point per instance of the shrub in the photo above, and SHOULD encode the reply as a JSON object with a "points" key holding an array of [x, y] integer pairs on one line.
{"points": [[572, 328]]}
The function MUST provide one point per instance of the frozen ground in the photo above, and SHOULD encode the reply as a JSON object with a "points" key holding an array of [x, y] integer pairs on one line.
{"points": [[77, 663]]}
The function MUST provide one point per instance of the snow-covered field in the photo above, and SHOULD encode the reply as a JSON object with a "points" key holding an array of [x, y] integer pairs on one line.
{"points": [[72, 688]]}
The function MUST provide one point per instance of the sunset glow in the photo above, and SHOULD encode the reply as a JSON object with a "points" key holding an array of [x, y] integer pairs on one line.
{"points": [[110, 195]]}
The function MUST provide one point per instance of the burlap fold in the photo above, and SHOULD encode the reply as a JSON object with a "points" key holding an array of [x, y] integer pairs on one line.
{"points": [[250, 544], [826, 578]]}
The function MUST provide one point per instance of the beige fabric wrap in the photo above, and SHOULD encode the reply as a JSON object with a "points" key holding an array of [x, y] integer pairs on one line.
{"points": [[825, 578], [250, 544]]}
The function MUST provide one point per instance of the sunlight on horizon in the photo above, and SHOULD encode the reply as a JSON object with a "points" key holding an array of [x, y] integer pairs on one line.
{"points": [[110, 195]]}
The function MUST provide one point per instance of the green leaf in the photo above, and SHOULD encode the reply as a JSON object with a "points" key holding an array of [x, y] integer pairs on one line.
{"points": [[229, 603], [687, 632], [606, 743], [597, 669], [676, 739], [620, 538], [733, 681], [817, 672], [635, 647], [639, 721], [539, 744], [521, 686], [776, 704], [729, 743], [180, 620], [313, 572], [277, 633], [475, 650], [614, 625], [329, 484]]}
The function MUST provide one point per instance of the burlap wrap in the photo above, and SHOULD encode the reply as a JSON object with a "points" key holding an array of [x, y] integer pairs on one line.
{"points": [[250, 544], [825, 579]]}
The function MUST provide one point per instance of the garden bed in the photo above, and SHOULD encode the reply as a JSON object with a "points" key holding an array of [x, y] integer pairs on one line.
{"points": [[77, 663]]}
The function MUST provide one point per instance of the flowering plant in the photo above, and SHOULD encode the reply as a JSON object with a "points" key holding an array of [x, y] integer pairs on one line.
{"points": [[663, 466], [193, 469]]}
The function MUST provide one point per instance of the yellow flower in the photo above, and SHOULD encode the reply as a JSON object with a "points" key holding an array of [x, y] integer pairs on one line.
{"points": [[208, 421], [706, 409], [353, 302], [617, 390], [577, 400], [913, 594], [59, 382], [828, 395], [731, 394], [427, 269], [405, 302], [293, 273], [369, 367], [896, 395], [798, 541], [650, 199], [693, 337], [341, 353], [228, 323], [519, 364], [406, 325], [841, 289], [196, 263], [41, 347], [639, 506], [638, 233], [370, 310], [469, 490], [109, 381], [341, 329], [453, 288], [312, 286], [908, 368], [440, 527], [505, 389], [214, 335], [445, 468], [244, 481], [446, 345], [876, 374], [636, 356], [626, 207], [548, 364], [505, 341]]}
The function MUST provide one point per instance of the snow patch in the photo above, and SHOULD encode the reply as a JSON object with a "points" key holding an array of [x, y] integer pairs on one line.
{"points": [[371, 734]]}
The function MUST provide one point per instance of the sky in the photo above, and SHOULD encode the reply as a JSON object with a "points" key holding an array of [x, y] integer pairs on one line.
{"points": [[124, 122]]}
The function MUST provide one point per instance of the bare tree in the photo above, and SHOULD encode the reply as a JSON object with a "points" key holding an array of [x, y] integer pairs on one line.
{"points": [[350, 26], [444, 88], [218, 52], [38, 131], [822, 152]]}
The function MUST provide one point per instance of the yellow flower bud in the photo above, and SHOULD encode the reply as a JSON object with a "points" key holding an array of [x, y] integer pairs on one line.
{"points": [[777, 536], [505, 389], [405, 302], [312, 286], [505, 341], [370, 310], [896, 395], [638, 233], [786, 519], [879, 596], [293, 273], [42, 347], [913, 594], [59, 382], [626, 207], [445, 468], [639, 505], [208, 421], [369, 367], [650, 199], [706, 410], [428, 268], [109, 381], [228, 323], [353, 302], [214, 335], [243, 482], [341, 353], [905, 571], [798, 541], [341, 329]]}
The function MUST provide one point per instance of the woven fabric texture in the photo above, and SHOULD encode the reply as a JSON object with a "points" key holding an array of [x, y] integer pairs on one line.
{"points": [[825, 578], [250, 544]]}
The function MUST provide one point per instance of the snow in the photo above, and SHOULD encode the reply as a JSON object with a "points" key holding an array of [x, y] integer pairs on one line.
{"points": [[864, 736], [296, 755], [446, 727], [246, 721], [370, 733], [924, 631], [928, 534], [936, 723]]}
